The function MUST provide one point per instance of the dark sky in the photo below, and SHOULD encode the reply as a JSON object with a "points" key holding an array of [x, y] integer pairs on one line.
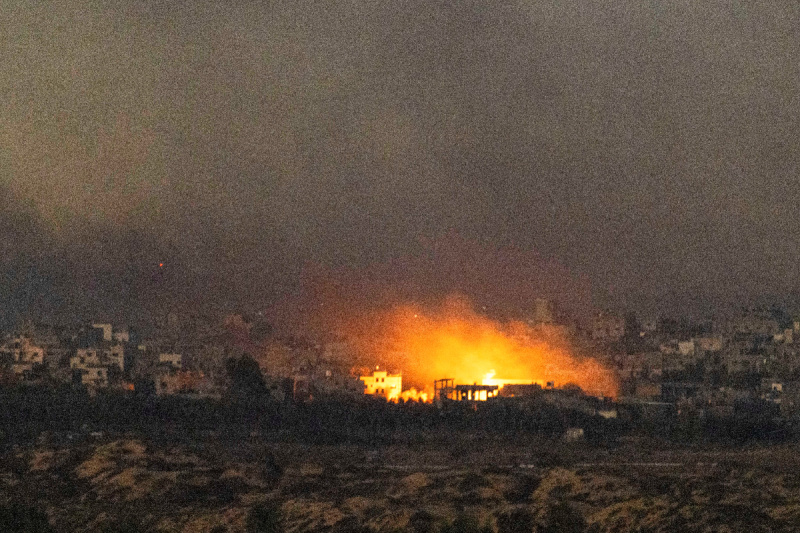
{"points": [[616, 152]]}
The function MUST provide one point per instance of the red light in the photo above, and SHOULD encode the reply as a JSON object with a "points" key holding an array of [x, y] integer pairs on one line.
{"points": [[160, 265]]}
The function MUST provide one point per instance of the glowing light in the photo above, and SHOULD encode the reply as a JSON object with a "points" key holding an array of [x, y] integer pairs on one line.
{"points": [[456, 342], [414, 395]]}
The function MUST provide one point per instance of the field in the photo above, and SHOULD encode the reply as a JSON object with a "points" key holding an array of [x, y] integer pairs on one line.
{"points": [[444, 482]]}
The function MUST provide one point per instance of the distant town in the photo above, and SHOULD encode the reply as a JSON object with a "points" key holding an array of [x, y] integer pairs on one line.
{"points": [[747, 363]]}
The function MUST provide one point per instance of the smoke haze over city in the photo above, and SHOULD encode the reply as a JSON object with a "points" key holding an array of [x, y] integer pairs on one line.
{"points": [[630, 154]]}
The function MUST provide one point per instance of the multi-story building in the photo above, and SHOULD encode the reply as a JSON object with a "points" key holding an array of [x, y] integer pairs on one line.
{"points": [[93, 363], [21, 353], [110, 355], [381, 383]]}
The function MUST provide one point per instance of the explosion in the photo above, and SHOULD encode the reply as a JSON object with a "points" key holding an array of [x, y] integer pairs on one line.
{"points": [[456, 342]]}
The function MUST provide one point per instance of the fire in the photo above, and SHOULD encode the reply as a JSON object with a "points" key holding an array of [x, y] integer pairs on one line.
{"points": [[489, 379], [413, 394], [454, 341], [390, 386]]}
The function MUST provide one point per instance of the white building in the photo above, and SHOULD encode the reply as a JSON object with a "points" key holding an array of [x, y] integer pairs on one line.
{"points": [[381, 383], [173, 360]]}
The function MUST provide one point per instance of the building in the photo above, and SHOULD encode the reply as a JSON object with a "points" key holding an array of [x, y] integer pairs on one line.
{"points": [[475, 393], [106, 329], [93, 364], [84, 358], [113, 355], [22, 354], [649, 325], [182, 382], [122, 336], [381, 383], [94, 376], [771, 390], [172, 360], [519, 390], [608, 328], [754, 323], [686, 348], [709, 344]]}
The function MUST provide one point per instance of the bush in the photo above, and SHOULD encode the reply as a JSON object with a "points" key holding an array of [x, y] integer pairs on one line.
{"points": [[264, 518], [19, 518], [351, 524], [522, 488], [563, 518], [465, 524], [516, 521], [422, 522]]}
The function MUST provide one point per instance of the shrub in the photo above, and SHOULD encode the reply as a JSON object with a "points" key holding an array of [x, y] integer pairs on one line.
{"points": [[516, 521], [422, 522], [522, 488], [351, 524], [472, 481], [465, 524], [264, 518], [19, 518], [563, 518]]}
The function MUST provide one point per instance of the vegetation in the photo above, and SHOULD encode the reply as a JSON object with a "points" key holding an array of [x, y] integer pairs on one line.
{"points": [[21, 518], [264, 518]]}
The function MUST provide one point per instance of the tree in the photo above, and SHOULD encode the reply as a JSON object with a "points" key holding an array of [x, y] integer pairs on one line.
{"points": [[245, 375]]}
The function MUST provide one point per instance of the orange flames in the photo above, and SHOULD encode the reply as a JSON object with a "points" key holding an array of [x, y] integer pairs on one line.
{"points": [[456, 342], [413, 394], [409, 395]]}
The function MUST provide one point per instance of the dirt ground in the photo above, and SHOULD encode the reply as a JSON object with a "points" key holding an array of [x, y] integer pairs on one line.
{"points": [[453, 483]]}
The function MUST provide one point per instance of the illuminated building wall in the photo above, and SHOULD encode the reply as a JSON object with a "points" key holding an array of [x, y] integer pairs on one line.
{"points": [[381, 383]]}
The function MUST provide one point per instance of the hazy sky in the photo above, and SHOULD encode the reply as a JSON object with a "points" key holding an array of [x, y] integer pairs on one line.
{"points": [[639, 153]]}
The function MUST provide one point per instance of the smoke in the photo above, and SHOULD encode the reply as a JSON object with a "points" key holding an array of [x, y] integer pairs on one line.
{"points": [[452, 340], [503, 277]]}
